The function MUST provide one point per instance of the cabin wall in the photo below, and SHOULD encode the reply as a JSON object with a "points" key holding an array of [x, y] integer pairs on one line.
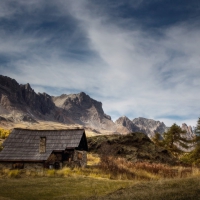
{"points": [[80, 157]]}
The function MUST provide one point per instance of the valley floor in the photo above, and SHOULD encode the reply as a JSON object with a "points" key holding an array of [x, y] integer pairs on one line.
{"points": [[61, 188]]}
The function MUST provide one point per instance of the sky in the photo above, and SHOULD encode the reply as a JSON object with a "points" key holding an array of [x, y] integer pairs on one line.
{"points": [[139, 58]]}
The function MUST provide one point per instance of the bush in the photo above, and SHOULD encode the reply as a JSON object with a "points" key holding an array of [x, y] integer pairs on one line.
{"points": [[51, 172], [4, 133], [14, 173], [193, 157]]}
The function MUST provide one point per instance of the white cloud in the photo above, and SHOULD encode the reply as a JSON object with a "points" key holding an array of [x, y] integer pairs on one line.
{"points": [[132, 73]]}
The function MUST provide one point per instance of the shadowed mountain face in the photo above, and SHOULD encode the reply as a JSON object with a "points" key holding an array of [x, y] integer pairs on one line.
{"points": [[16, 99], [82, 109], [21, 103], [126, 122]]}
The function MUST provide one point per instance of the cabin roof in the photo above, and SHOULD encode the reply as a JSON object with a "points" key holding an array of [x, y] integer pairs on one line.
{"points": [[23, 144]]}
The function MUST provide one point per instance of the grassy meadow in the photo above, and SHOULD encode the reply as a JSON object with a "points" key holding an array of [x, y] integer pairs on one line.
{"points": [[105, 177], [108, 178]]}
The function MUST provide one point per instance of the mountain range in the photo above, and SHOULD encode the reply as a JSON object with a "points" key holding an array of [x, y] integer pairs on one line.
{"points": [[20, 103]]}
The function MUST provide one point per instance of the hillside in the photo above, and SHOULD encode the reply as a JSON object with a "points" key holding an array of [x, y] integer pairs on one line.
{"points": [[134, 147]]}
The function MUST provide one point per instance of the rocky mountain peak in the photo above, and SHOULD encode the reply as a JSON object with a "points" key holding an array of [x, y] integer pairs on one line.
{"points": [[149, 126], [126, 122], [82, 109], [23, 98], [189, 132]]}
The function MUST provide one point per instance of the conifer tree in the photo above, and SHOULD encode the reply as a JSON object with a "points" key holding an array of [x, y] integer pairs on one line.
{"points": [[198, 127], [174, 140]]}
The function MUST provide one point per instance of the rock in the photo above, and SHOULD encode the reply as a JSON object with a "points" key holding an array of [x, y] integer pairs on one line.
{"points": [[84, 110], [126, 122], [189, 132], [18, 100], [149, 126]]}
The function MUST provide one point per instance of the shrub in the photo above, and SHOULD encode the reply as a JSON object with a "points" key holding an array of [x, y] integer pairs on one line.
{"points": [[141, 170], [51, 172], [4, 133], [14, 173]]}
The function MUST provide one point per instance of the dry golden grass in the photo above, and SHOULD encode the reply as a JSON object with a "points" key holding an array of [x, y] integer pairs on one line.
{"points": [[93, 159], [44, 125], [144, 170]]}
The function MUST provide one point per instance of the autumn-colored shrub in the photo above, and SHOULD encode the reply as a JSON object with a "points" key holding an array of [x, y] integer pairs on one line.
{"points": [[4, 133]]}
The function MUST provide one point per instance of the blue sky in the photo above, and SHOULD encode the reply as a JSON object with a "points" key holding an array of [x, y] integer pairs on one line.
{"points": [[139, 58]]}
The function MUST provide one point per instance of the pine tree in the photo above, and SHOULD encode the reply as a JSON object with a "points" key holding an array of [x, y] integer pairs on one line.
{"points": [[157, 139], [174, 139], [198, 127]]}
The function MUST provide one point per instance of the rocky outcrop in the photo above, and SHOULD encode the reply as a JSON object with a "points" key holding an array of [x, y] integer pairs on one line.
{"points": [[82, 109], [21, 101], [149, 126], [10, 94], [41, 103], [189, 132], [126, 122]]}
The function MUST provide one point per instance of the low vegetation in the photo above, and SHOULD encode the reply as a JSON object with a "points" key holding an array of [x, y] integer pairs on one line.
{"points": [[58, 188], [112, 178], [119, 167], [4, 133], [170, 189], [134, 147]]}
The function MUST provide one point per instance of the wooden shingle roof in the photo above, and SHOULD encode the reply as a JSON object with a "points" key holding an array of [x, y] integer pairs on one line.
{"points": [[23, 144]]}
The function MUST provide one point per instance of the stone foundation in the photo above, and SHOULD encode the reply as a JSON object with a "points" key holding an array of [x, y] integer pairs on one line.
{"points": [[80, 158]]}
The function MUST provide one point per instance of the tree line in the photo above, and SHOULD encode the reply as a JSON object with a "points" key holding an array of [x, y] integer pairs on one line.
{"points": [[176, 142]]}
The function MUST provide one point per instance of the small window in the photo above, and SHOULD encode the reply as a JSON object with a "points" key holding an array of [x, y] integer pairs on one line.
{"points": [[42, 148], [80, 156]]}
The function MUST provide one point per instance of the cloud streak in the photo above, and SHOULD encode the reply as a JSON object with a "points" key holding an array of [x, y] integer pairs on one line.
{"points": [[133, 69]]}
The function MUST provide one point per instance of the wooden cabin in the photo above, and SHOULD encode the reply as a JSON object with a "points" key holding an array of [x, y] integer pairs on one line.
{"points": [[26, 148]]}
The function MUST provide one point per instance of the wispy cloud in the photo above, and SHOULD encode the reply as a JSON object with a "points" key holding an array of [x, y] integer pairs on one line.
{"points": [[134, 71]]}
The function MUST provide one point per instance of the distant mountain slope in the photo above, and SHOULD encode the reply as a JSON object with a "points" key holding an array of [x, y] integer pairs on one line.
{"points": [[20, 103], [128, 124], [84, 110], [189, 133], [147, 126]]}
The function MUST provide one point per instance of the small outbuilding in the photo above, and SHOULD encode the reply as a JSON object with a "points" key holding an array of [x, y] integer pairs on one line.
{"points": [[25, 148]]}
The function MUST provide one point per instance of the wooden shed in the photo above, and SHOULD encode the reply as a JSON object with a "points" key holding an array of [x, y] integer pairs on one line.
{"points": [[26, 148]]}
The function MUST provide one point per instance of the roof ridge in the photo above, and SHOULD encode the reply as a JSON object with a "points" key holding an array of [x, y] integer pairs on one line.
{"points": [[49, 129]]}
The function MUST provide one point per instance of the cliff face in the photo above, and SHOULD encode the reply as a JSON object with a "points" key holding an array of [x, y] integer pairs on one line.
{"points": [[42, 103], [147, 126], [82, 109], [10, 94], [189, 132], [126, 122], [21, 100], [22, 103]]}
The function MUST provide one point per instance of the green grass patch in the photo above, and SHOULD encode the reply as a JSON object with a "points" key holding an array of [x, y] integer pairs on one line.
{"points": [[174, 189], [58, 187]]}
